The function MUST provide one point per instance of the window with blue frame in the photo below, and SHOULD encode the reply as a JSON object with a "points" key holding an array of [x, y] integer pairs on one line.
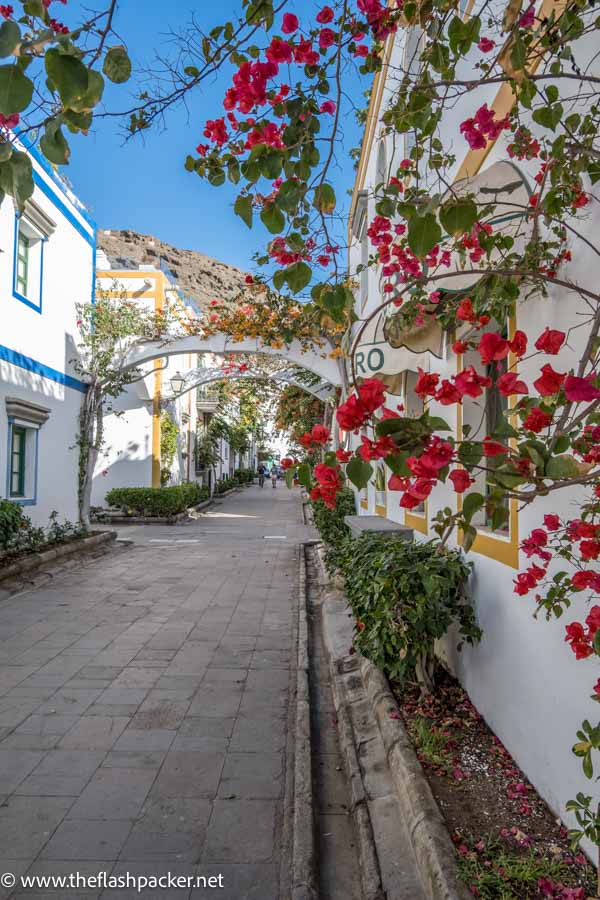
{"points": [[18, 461], [32, 230], [25, 420]]}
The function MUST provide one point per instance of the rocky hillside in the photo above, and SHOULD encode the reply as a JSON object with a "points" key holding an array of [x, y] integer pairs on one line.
{"points": [[197, 275]]}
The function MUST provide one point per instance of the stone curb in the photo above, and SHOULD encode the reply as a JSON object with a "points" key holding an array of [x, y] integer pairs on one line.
{"points": [[372, 888], [157, 520], [304, 879], [428, 832], [36, 560]]}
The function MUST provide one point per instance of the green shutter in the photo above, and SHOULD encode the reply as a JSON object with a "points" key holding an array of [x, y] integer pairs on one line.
{"points": [[17, 462], [22, 263]]}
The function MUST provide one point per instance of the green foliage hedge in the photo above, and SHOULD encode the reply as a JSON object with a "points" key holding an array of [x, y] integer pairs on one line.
{"points": [[12, 521], [164, 501], [404, 595], [330, 522], [245, 476]]}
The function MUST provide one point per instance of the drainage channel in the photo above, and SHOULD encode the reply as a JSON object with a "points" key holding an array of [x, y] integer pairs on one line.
{"points": [[339, 874]]}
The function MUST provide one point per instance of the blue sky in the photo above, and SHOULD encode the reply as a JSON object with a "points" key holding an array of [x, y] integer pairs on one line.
{"points": [[142, 184]]}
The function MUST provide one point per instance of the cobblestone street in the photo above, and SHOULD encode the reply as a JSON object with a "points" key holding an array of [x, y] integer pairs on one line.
{"points": [[144, 702]]}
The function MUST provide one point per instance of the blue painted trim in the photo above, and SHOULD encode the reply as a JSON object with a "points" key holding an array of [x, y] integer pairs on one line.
{"points": [[44, 164], [38, 368], [22, 501], [94, 252], [61, 207]]}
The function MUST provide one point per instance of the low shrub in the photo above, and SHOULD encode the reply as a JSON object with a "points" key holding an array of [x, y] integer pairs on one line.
{"points": [[245, 476], [12, 521], [164, 501], [330, 522], [224, 484], [404, 595]]}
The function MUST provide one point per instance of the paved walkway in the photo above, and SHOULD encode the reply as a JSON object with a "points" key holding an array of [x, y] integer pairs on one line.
{"points": [[143, 706]]}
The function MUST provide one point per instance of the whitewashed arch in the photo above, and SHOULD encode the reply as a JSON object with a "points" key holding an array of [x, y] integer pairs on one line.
{"points": [[199, 377], [316, 361]]}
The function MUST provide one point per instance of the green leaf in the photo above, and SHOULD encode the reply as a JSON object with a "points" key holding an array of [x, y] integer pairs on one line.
{"points": [[458, 216], [304, 475], [117, 65], [424, 233], [324, 199], [472, 503], [16, 178], [298, 276], [68, 75], [396, 462], [271, 163], [562, 467], [469, 536], [10, 37], [54, 145], [436, 423], [93, 94], [279, 279], [16, 90], [243, 208], [359, 472], [548, 116], [289, 477], [470, 453], [273, 218]]}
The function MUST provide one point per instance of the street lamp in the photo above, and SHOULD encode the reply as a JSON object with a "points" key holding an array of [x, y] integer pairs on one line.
{"points": [[177, 383]]}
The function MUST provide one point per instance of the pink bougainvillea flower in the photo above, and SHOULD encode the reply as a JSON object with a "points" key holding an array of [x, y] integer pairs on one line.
{"points": [[328, 106], [486, 45], [552, 522], [327, 37], [493, 448]]}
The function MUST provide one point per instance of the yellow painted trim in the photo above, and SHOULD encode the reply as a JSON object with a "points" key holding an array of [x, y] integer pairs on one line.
{"points": [[503, 550], [380, 510], [418, 521], [502, 104], [129, 273], [158, 306], [364, 504]]}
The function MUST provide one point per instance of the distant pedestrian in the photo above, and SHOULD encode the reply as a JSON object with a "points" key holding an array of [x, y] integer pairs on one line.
{"points": [[274, 476], [261, 475]]}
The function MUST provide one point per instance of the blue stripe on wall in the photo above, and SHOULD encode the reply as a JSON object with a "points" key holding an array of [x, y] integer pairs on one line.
{"points": [[38, 368]]}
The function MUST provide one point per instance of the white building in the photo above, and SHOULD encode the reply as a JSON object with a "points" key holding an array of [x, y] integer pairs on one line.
{"points": [[521, 677], [47, 266]]}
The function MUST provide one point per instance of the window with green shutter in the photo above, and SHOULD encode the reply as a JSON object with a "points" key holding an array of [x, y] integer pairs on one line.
{"points": [[17, 462], [23, 245]]}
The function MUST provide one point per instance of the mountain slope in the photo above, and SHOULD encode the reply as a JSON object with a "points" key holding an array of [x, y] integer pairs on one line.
{"points": [[200, 276]]}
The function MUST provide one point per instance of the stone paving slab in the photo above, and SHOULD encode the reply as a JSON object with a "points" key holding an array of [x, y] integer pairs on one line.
{"points": [[143, 706]]}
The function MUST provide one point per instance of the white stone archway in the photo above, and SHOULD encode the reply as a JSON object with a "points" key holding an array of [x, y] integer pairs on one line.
{"points": [[314, 360], [199, 377]]}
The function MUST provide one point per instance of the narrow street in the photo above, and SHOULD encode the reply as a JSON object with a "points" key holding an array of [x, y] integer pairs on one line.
{"points": [[144, 706]]}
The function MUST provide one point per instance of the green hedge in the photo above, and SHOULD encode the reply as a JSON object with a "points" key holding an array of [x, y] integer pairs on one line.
{"points": [[404, 595], [12, 521], [330, 522], [164, 501], [245, 476]]}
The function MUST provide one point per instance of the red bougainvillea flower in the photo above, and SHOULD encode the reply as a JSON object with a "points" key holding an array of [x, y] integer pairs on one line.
{"points": [[552, 522], [426, 383], [492, 347], [387, 413], [320, 434], [290, 23], [549, 382], [486, 45], [597, 689], [344, 456], [533, 544], [509, 384], [586, 579], [287, 463], [592, 621], [306, 440], [493, 448], [580, 390], [550, 341], [249, 279], [537, 419], [518, 345], [575, 635], [378, 449], [327, 38], [461, 480], [471, 383], [465, 311], [459, 347], [325, 15], [448, 394], [351, 415], [328, 106], [372, 394]]}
